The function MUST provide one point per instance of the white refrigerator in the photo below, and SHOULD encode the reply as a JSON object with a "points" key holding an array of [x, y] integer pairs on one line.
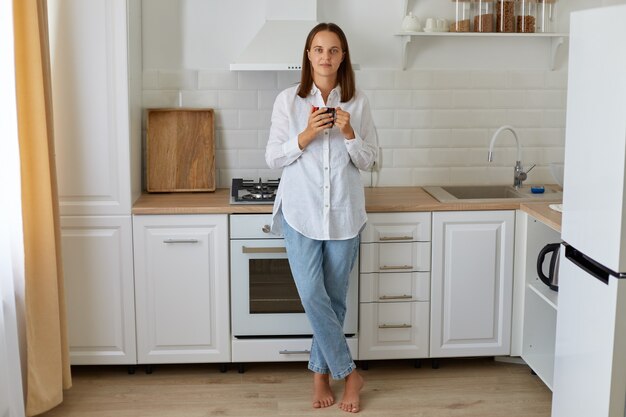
{"points": [[590, 349]]}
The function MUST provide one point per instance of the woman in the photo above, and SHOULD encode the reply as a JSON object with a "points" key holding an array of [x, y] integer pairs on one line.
{"points": [[320, 204]]}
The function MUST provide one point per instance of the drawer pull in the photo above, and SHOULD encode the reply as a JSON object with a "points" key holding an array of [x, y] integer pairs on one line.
{"points": [[268, 249], [394, 326], [294, 352], [386, 267], [395, 297], [266, 228], [180, 241], [385, 238]]}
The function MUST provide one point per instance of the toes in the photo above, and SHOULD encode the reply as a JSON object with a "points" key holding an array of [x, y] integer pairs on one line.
{"points": [[349, 407], [317, 404]]}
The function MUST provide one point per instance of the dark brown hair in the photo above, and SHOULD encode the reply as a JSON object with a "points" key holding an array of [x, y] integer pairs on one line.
{"points": [[345, 73]]}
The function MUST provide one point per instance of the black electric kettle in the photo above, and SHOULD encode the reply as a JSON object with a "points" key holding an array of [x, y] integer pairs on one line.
{"points": [[552, 280]]}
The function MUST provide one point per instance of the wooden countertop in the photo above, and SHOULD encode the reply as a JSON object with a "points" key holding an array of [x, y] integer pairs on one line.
{"points": [[379, 199], [543, 213]]}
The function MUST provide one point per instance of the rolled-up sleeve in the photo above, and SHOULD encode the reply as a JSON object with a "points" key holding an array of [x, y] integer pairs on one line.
{"points": [[363, 149], [282, 147]]}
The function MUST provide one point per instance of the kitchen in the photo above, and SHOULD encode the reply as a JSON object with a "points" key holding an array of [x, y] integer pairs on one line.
{"points": [[434, 118]]}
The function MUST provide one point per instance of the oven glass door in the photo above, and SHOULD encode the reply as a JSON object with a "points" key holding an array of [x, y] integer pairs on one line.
{"points": [[264, 298]]}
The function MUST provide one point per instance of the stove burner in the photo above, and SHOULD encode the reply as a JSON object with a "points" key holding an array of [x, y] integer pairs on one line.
{"points": [[250, 191], [257, 196]]}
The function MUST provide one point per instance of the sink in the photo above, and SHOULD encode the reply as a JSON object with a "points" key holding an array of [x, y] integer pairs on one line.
{"points": [[481, 193]]}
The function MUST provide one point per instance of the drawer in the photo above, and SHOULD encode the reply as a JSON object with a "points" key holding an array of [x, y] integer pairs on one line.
{"points": [[395, 257], [395, 286], [251, 226], [279, 350], [394, 330], [397, 227]]}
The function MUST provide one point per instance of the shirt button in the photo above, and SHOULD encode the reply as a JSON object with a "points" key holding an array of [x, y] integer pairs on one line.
{"points": [[326, 168], [326, 132], [326, 205], [326, 187]]}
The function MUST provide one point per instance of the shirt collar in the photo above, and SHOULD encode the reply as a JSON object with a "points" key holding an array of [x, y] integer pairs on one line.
{"points": [[336, 90]]}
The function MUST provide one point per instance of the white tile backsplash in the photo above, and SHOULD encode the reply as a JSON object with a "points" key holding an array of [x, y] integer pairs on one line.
{"points": [[413, 80], [229, 99], [488, 79], [182, 80], [258, 80], [385, 99], [434, 126], [218, 80], [432, 99]]}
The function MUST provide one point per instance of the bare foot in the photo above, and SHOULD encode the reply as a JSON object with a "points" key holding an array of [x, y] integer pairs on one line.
{"points": [[322, 394], [350, 400]]}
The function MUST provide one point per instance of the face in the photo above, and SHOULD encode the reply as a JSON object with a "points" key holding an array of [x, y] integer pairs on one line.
{"points": [[325, 54]]}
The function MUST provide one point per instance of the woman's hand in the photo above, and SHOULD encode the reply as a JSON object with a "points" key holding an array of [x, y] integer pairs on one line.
{"points": [[318, 121], [342, 121]]}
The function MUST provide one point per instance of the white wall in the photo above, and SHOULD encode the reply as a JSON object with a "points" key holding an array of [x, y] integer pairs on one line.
{"points": [[434, 119]]}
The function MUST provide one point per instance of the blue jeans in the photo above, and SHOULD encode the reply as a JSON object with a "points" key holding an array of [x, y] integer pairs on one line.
{"points": [[321, 271]]}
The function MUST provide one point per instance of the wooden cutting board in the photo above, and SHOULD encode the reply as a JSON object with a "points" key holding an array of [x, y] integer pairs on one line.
{"points": [[180, 150]]}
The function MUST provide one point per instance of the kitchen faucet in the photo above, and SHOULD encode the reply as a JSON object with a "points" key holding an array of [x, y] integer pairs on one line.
{"points": [[519, 175]]}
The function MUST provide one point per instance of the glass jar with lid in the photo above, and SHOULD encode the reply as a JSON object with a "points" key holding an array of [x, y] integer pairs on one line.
{"points": [[462, 16], [546, 16], [526, 16], [505, 15], [483, 15]]}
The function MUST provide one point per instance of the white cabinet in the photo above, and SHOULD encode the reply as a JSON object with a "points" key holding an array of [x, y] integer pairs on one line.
{"points": [[89, 49], [395, 286], [98, 270], [471, 283], [181, 288], [96, 95], [539, 302]]}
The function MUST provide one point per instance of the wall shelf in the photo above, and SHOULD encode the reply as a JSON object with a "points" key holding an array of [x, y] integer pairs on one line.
{"points": [[556, 39]]}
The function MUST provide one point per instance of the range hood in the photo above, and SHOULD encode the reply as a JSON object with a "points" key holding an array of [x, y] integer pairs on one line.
{"points": [[277, 46]]}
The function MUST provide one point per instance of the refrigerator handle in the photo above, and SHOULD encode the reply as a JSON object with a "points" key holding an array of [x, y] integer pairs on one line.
{"points": [[587, 264]]}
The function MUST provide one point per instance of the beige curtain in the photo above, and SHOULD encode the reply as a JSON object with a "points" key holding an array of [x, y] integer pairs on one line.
{"points": [[48, 370]]}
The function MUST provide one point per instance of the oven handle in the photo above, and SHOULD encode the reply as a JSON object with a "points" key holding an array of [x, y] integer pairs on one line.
{"points": [[266, 249], [294, 352]]}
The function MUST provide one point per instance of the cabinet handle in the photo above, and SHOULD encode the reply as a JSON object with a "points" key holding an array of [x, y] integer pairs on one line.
{"points": [[384, 238], [294, 352], [395, 297], [266, 228], [269, 249], [386, 267], [180, 241], [394, 326]]}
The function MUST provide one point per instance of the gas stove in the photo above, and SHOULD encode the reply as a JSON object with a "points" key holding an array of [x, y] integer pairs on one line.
{"points": [[245, 191]]}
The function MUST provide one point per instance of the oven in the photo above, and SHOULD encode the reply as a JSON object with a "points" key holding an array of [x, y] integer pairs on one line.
{"points": [[268, 320]]}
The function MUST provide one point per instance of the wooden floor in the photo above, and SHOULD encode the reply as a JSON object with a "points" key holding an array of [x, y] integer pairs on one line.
{"points": [[479, 387]]}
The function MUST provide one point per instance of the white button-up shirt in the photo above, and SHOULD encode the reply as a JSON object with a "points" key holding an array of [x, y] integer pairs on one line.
{"points": [[320, 193]]}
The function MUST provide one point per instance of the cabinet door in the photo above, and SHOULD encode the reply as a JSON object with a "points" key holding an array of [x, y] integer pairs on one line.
{"points": [[394, 330], [181, 288], [472, 280], [98, 270], [90, 95]]}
